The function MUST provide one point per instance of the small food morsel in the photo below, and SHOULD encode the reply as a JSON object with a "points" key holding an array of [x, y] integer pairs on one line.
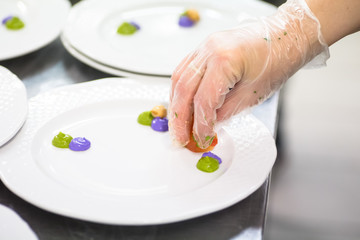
{"points": [[159, 111], [207, 164], [160, 124], [185, 21], [156, 118], [212, 155], [128, 28], [136, 25], [79, 144], [193, 14], [13, 23], [62, 140], [6, 19], [189, 18], [145, 118], [194, 147]]}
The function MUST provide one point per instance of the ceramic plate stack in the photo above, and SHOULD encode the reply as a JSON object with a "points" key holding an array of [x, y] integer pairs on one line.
{"points": [[155, 50], [43, 21]]}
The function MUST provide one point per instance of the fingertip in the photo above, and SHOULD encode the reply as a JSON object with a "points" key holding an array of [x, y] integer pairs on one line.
{"points": [[203, 131], [178, 144], [179, 137], [209, 97], [204, 140], [179, 127]]}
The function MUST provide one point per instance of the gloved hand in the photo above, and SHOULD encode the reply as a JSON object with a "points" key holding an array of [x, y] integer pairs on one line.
{"points": [[238, 68]]}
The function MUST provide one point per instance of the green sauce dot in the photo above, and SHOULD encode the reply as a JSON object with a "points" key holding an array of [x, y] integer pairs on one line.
{"points": [[145, 118], [208, 164], [126, 29], [14, 23], [62, 140]]}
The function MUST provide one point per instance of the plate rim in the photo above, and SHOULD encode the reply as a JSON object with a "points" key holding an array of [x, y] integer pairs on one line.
{"points": [[85, 52], [105, 68], [47, 37]]}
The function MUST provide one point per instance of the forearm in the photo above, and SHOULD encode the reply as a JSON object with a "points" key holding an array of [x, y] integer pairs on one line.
{"points": [[337, 18]]}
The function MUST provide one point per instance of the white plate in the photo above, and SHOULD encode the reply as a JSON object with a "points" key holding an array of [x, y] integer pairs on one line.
{"points": [[160, 44], [131, 174], [13, 227], [13, 105], [104, 68], [43, 20]]}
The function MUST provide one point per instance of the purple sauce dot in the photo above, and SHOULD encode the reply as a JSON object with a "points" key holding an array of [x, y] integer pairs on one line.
{"points": [[210, 154], [79, 144], [185, 21], [6, 19], [135, 25], [160, 124]]}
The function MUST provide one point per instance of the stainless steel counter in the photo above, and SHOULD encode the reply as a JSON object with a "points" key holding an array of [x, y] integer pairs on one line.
{"points": [[52, 67]]}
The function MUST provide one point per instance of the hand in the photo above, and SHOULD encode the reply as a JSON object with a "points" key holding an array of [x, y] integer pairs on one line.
{"points": [[238, 68]]}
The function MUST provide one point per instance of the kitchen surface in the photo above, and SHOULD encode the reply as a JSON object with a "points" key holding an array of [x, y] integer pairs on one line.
{"points": [[315, 181]]}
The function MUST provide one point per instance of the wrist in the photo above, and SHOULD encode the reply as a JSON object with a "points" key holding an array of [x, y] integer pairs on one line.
{"points": [[297, 37]]}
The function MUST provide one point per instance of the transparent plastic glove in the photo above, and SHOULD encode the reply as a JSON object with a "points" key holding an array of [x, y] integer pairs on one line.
{"points": [[236, 69]]}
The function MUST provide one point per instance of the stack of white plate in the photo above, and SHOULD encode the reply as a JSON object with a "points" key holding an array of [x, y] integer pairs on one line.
{"points": [[90, 33]]}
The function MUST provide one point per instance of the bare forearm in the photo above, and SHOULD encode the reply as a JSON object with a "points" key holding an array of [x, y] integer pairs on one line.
{"points": [[337, 18]]}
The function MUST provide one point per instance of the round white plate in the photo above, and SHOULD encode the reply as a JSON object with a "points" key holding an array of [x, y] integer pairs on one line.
{"points": [[161, 43], [13, 105], [13, 227], [43, 20], [131, 174], [104, 68]]}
